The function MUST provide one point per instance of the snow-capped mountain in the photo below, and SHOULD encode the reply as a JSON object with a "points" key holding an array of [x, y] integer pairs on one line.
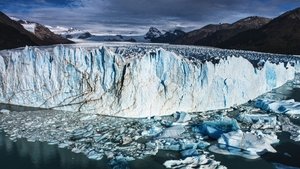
{"points": [[17, 33], [156, 36], [29, 26], [70, 33], [117, 38], [153, 33], [41, 31]]}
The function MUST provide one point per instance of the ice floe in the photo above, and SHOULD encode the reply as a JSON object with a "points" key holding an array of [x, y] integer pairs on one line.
{"points": [[216, 128], [282, 106], [246, 144]]}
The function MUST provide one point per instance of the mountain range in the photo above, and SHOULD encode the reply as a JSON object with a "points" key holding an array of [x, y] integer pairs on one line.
{"points": [[278, 35], [212, 35]]}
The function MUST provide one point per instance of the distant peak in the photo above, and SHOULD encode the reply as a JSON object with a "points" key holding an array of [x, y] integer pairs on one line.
{"points": [[153, 29], [153, 33]]}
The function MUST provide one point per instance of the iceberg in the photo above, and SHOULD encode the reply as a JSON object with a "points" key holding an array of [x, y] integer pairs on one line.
{"points": [[283, 106], [4, 111], [216, 128], [194, 162], [182, 118], [135, 80], [260, 120], [246, 144]]}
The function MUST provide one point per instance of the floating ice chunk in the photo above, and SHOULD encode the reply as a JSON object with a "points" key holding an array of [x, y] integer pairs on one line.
{"points": [[94, 155], [80, 133], [174, 132], [257, 118], [63, 145], [181, 144], [4, 111], [88, 117], [288, 126], [201, 161], [182, 117], [215, 129], [126, 140], [153, 131], [189, 152], [283, 106], [263, 120], [249, 145]]}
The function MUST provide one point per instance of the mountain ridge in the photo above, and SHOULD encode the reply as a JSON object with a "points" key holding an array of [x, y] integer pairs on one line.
{"points": [[281, 35], [13, 35]]}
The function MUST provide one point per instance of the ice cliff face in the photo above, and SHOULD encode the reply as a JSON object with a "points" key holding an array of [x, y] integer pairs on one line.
{"points": [[131, 81]]}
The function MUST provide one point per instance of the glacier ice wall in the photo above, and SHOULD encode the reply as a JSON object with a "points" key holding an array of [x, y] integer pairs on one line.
{"points": [[129, 83]]}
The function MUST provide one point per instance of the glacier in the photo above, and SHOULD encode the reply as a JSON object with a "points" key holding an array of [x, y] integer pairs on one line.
{"points": [[137, 80]]}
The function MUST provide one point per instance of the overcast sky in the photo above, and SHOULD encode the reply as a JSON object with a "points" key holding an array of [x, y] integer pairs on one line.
{"points": [[136, 16]]}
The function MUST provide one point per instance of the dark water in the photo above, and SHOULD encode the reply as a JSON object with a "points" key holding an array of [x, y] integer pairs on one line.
{"points": [[39, 155], [26, 155], [288, 153], [295, 94], [18, 108]]}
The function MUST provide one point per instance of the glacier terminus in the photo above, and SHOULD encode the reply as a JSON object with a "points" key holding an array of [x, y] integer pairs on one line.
{"points": [[125, 102], [138, 80]]}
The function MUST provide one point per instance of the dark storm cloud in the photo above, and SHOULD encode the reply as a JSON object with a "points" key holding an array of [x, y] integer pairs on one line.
{"points": [[127, 15]]}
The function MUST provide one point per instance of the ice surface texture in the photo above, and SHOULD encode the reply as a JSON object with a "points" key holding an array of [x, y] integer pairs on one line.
{"points": [[135, 80]]}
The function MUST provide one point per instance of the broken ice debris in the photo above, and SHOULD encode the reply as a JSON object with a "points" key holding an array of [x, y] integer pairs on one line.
{"points": [[182, 118], [260, 120], [173, 131], [153, 131], [249, 145], [216, 128], [201, 161], [283, 106], [4, 111]]}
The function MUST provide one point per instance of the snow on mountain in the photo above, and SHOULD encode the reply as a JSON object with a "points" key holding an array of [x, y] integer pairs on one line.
{"points": [[136, 80], [70, 33], [29, 26], [156, 36], [153, 33], [117, 38]]}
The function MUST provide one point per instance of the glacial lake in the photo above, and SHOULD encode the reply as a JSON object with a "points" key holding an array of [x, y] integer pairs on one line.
{"points": [[40, 155]]}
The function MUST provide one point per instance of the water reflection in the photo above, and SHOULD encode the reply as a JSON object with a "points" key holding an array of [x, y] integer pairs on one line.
{"points": [[295, 94], [287, 151], [40, 155], [37, 155]]}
